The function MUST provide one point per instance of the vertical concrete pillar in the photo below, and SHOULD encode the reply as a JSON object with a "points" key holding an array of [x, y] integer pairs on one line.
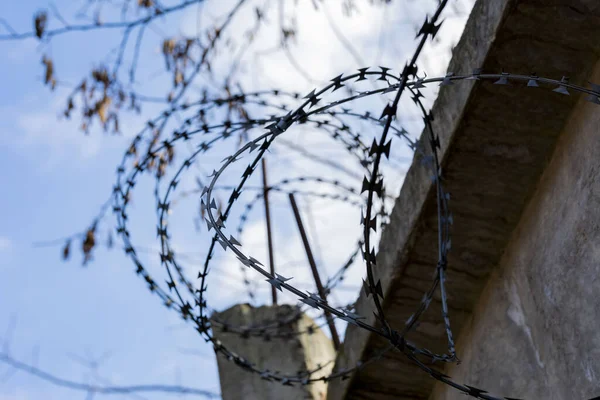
{"points": [[297, 345]]}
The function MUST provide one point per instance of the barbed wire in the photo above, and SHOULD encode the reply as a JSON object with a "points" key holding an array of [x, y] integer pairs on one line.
{"points": [[372, 184], [189, 299]]}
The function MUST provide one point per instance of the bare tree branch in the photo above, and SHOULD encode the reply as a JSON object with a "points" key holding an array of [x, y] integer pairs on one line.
{"points": [[104, 390]]}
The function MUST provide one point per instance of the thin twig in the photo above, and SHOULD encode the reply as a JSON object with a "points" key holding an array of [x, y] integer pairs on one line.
{"points": [[104, 390]]}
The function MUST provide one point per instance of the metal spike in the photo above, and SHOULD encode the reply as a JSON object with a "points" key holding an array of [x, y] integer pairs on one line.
{"points": [[367, 288], [474, 75], [429, 28], [310, 95], [312, 98], [415, 98], [245, 261], [362, 76], [473, 391], [389, 110], [532, 82], [447, 81], [503, 80], [274, 129], [265, 375], [277, 281], [222, 243], [337, 82], [255, 261], [378, 289], [384, 74], [365, 185], [253, 146], [310, 302], [595, 87], [248, 171], [593, 99], [285, 123], [351, 317], [161, 232], [562, 90]]}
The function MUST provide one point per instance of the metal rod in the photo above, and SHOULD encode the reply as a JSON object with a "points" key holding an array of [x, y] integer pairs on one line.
{"points": [[269, 235], [313, 266]]}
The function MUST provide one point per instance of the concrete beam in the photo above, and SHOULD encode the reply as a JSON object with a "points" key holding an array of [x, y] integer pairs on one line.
{"points": [[534, 331], [290, 349]]}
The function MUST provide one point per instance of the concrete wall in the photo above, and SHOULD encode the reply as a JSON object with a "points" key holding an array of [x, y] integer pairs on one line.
{"points": [[523, 169], [535, 333], [286, 355], [496, 144]]}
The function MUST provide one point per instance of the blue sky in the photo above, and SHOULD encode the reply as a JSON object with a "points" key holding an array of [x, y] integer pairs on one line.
{"points": [[54, 179]]}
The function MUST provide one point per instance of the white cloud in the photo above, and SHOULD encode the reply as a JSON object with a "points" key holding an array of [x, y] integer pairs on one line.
{"points": [[323, 56], [35, 127], [21, 52], [6, 244], [17, 394]]}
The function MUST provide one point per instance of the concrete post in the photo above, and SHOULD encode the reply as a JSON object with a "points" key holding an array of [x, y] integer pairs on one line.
{"points": [[287, 355]]}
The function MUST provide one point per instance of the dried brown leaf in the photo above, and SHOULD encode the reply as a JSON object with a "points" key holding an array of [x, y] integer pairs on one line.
{"points": [[101, 108], [145, 3], [178, 78], [40, 22], [49, 73], [88, 244], [66, 250]]}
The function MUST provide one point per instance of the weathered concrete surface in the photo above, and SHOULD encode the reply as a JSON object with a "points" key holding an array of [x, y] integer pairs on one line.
{"points": [[288, 355], [534, 333], [496, 142]]}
